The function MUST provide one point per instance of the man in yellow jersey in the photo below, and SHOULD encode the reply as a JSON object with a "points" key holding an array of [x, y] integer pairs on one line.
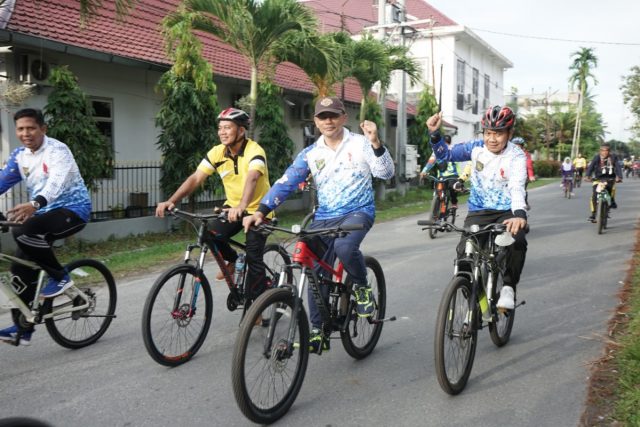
{"points": [[580, 163], [242, 166]]}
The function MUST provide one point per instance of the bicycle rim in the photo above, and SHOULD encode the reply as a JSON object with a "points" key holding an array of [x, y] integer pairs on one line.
{"points": [[362, 333], [502, 324], [267, 373], [455, 337], [177, 315], [84, 327]]}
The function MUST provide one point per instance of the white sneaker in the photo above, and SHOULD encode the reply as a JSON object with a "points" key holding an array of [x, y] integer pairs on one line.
{"points": [[507, 298]]}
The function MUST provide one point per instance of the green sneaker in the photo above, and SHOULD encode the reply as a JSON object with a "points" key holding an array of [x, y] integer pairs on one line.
{"points": [[317, 343], [364, 301]]}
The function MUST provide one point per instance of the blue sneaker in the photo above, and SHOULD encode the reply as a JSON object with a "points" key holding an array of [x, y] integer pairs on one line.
{"points": [[54, 287], [10, 335], [364, 301]]}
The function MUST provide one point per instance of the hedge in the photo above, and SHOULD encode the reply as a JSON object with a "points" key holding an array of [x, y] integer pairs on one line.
{"points": [[546, 168]]}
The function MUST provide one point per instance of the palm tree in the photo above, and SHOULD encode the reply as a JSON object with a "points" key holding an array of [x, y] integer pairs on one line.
{"points": [[584, 60], [372, 60], [256, 29]]}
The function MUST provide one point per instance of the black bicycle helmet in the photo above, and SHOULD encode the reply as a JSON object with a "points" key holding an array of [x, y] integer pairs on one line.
{"points": [[498, 118], [236, 116]]}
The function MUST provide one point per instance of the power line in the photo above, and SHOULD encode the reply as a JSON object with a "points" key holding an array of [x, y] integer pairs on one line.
{"points": [[524, 36]]}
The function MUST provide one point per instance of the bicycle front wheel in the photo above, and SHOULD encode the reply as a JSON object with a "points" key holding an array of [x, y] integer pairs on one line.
{"points": [[455, 336], [601, 215], [267, 369], [177, 315], [362, 333], [83, 327], [277, 261]]}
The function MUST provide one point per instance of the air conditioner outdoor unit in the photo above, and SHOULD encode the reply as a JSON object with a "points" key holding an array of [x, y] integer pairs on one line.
{"points": [[34, 69], [467, 98]]}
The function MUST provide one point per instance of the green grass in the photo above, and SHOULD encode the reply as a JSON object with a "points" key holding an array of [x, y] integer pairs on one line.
{"points": [[149, 252], [627, 389]]}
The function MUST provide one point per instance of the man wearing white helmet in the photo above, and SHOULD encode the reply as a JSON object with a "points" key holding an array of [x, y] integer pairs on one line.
{"points": [[242, 166]]}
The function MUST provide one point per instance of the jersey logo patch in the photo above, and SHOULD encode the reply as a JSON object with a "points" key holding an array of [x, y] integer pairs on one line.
{"points": [[320, 163], [479, 166]]}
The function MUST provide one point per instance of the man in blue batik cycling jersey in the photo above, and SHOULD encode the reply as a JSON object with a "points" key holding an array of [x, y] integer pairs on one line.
{"points": [[59, 206], [342, 164], [498, 177]]}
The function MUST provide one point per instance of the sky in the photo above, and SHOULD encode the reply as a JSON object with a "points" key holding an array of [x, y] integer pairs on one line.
{"points": [[542, 65]]}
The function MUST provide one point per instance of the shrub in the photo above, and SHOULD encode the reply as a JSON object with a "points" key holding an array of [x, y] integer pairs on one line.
{"points": [[546, 168]]}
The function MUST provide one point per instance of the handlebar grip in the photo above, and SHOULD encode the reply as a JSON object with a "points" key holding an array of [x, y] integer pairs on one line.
{"points": [[426, 222]]}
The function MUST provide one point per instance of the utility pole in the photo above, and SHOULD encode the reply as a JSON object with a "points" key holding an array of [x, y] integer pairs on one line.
{"points": [[382, 4], [401, 137]]}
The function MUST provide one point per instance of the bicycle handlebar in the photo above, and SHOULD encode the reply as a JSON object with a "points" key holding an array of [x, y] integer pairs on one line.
{"points": [[310, 232], [444, 226]]}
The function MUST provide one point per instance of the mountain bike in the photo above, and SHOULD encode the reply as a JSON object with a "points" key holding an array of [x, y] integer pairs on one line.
{"points": [[578, 178], [74, 319], [603, 204], [269, 364], [177, 313], [567, 186], [469, 302], [440, 209]]}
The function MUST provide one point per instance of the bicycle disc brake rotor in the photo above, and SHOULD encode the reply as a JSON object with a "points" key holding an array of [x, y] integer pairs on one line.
{"points": [[183, 315], [280, 356]]}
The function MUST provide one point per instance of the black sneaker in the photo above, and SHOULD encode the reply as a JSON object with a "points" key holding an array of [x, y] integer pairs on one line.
{"points": [[317, 343], [592, 218], [614, 205], [364, 301]]}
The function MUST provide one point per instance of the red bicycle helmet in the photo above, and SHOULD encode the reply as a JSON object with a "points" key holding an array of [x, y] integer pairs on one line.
{"points": [[497, 118], [236, 116]]}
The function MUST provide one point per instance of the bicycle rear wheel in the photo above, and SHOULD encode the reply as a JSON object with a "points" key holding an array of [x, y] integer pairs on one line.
{"points": [[362, 333], [502, 324], [84, 327], [277, 261], [435, 214], [177, 315], [267, 373], [455, 336]]}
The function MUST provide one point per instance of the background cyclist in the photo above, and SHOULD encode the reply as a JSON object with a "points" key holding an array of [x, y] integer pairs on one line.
{"points": [[580, 163], [498, 178], [531, 176], [447, 170], [603, 167], [567, 170]]}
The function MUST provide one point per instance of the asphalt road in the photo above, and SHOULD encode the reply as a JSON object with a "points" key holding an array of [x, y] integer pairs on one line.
{"points": [[570, 282]]}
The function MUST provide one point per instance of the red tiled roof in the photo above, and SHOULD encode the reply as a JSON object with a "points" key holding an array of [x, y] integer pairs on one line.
{"points": [[138, 36]]}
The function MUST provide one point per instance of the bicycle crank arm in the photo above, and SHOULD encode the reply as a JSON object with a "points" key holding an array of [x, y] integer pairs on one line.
{"points": [[388, 319], [112, 316]]}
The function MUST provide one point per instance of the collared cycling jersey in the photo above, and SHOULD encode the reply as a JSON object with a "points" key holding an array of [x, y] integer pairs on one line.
{"points": [[608, 168], [580, 162], [342, 176], [233, 171], [497, 180], [50, 172]]}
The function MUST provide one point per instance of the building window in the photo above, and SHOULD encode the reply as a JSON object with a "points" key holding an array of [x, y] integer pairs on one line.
{"points": [[475, 89], [103, 115], [460, 85], [487, 91]]}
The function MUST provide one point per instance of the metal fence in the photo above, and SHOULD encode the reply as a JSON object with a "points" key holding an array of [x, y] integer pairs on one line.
{"points": [[132, 191]]}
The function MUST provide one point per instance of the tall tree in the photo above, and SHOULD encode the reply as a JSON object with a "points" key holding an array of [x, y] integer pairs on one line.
{"points": [[631, 96], [273, 129], [372, 60], [257, 29], [418, 132], [584, 60], [70, 120], [188, 109]]}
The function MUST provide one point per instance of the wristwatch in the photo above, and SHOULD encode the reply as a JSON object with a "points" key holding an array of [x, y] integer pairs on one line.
{"points": [[35, 204]]}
